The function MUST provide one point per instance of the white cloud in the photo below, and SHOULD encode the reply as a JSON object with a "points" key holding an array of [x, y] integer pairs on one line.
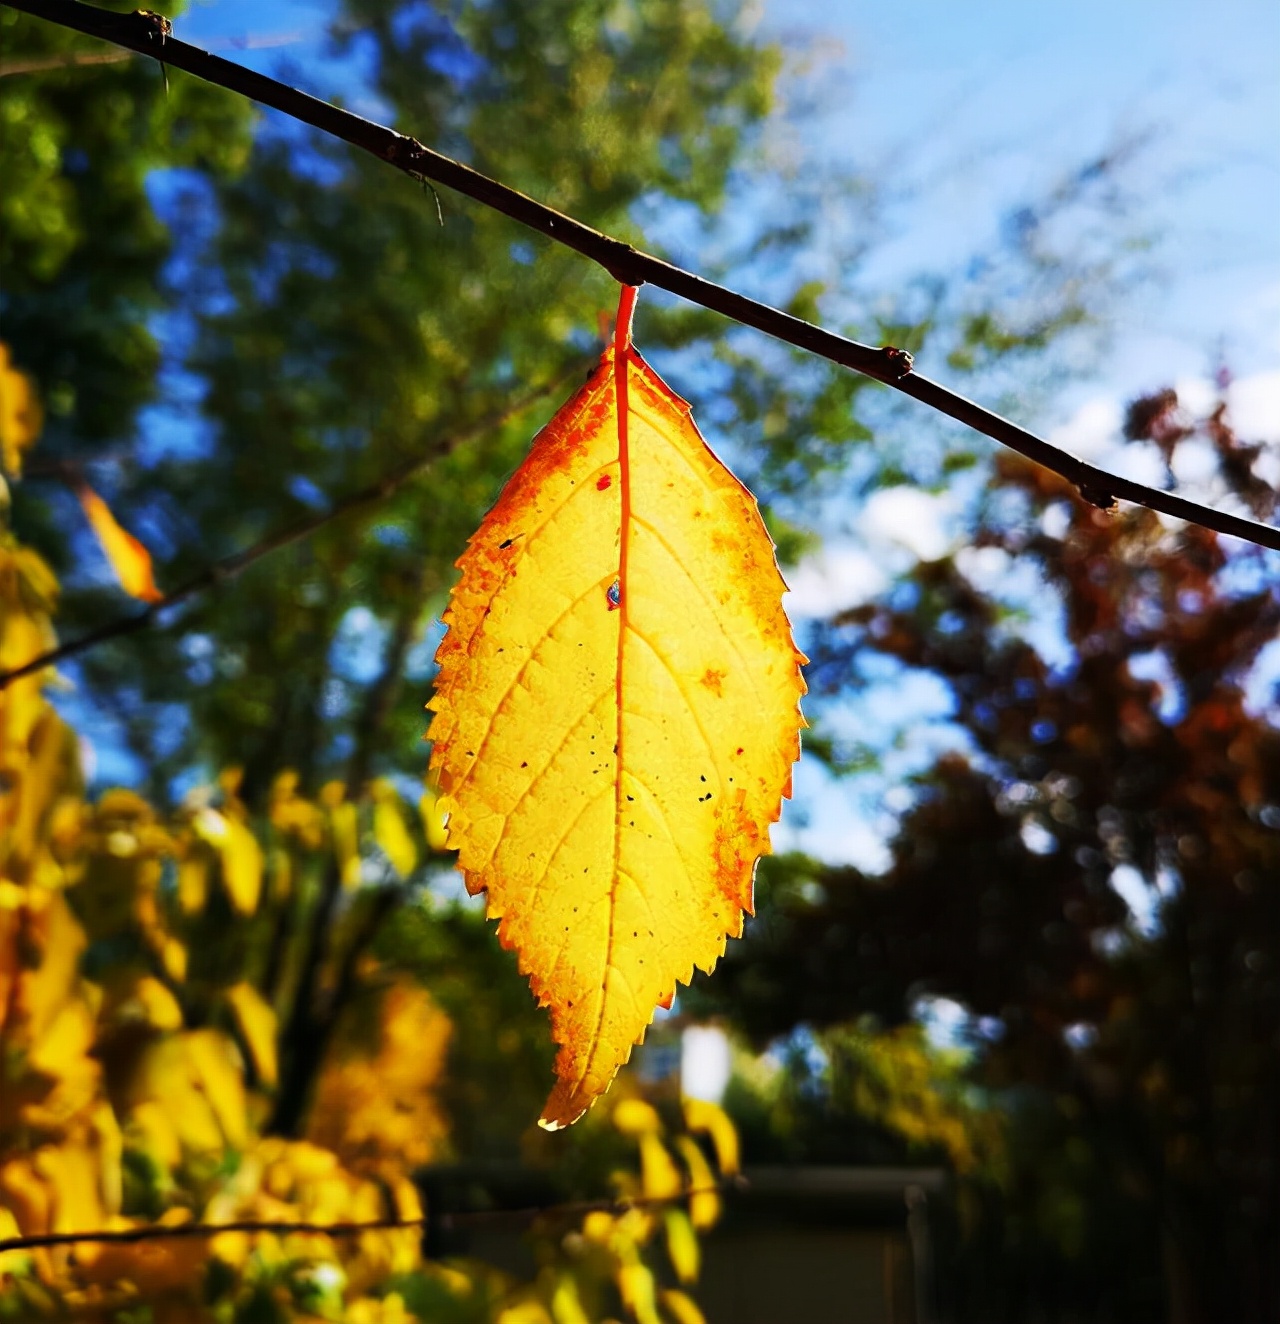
{"points": [[1253, 405], [1197, 395], [922, 522], [838, 577], [1092, 429]]}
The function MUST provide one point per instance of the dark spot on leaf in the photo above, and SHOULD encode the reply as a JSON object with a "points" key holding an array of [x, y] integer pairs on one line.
{"points": [[603, 482]]}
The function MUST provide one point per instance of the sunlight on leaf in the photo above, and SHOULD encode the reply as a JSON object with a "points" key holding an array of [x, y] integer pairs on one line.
{"points": [[616, 713]]}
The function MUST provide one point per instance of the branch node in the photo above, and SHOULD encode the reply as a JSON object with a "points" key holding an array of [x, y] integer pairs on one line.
{"points": [[624, 263], [899, 360], [157, 27], [1096, 496], [403, 152]]}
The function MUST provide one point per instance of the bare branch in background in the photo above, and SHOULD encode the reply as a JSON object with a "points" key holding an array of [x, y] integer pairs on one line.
{"points": [[229, 567]]}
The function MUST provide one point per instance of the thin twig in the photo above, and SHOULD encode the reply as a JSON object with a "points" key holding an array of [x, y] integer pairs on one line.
{"points": [[628, 265], [230, 566], [178, 1231]]}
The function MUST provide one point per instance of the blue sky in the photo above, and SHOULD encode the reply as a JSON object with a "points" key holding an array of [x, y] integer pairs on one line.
{"points": [[989, 101], [970, 108]]}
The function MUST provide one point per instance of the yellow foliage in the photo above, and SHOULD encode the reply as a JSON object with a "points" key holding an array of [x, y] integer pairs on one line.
{"points": [[616, 713], [639, 1291], [152, 1268], [193, 878], [376, 1102], [241, 856], [906, 1084], [704, 1195], [195, 1078], [682, 1308], [20, 415], [257, 1021], [682, 1245], [292, 814], [527, 1311], [635, 1117], [659, 1177], [566, 1301], [344, 831], [709, 1118], [142, 999], [389, 829], [433, 821]]}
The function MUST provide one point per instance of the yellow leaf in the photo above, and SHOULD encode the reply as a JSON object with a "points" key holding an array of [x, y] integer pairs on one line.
{"points": [[242, 867], [681, 1308], [566, 1302], [290, 813], [635, 1117], [215, 1069], [129, 558], [344, 831], [72, 1170], [433, 824], [173, 956], [151, 1129], [528, 1311], [241, 857], [638, 1291], [141, 999], [20, 415], [616, 713], [193, 881], [704, 1195], [711, 1119], [659, 1176], [682, 1245], [257, 1021], [389, 829]]}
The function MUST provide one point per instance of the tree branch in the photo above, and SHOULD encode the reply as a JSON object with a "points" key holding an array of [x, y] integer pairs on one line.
{"points": [[229, 567], [181, 1231], [149, 34], [312, 1020]]}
